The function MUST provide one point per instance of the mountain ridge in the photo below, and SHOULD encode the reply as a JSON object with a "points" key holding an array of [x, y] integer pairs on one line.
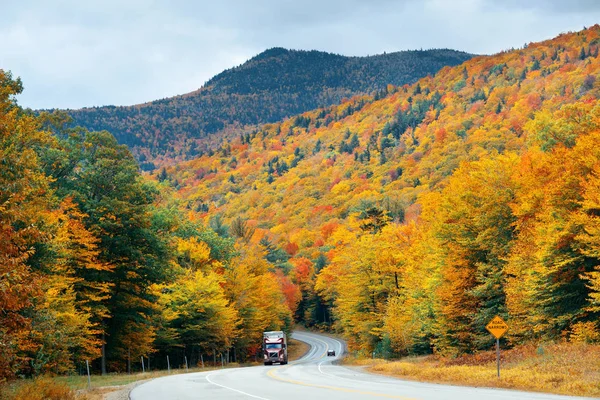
{"points": [[275, 84]]}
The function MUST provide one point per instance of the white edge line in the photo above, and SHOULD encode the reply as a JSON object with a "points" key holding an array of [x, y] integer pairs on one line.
{"points": [[232, 389], [321, 371]]}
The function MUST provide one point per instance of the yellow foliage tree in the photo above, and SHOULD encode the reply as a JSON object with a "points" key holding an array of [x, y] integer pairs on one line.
{"points": [[197, 309]]}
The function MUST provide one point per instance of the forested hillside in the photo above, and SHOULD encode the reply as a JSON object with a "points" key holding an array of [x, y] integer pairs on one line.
{"points": [[405, 221], [275, 84], [409, 221]]}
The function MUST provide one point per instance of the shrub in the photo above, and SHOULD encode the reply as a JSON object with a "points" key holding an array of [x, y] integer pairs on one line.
{"points": [[39, 389]]}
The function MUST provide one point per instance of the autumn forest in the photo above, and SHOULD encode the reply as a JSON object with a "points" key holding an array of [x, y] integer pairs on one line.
{"points": [[403, 220]]}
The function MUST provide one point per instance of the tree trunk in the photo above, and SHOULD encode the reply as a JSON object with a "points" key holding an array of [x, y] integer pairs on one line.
{"points": [[103, 361]]}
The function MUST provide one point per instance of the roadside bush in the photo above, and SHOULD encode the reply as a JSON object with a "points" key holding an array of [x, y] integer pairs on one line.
{"points": [[38, 389]]}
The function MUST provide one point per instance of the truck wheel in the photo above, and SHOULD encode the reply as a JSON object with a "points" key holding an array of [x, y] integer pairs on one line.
{"points": [[283, 362], [268, 363]]}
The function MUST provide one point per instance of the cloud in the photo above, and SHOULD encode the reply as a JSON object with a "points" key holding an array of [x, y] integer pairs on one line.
{"points": [[549, 6], [73, 53]]}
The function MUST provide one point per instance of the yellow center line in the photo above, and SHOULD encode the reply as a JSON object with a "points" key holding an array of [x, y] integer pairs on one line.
{"points": [[271, 374]]}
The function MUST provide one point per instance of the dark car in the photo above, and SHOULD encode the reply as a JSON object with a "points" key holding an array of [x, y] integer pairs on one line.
{"points": [[330, 352]]}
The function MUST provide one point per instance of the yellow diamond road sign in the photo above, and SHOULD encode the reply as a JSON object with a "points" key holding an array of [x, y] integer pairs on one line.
{"points": [[497, 327]]}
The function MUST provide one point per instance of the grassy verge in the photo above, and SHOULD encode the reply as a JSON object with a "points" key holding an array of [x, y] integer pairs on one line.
{"points": [[103, 384], [572, 369], [80, 382], [296, 349]]}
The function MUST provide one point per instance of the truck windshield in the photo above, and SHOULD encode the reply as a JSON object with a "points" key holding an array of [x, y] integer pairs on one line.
{"points": [[273, 346]]}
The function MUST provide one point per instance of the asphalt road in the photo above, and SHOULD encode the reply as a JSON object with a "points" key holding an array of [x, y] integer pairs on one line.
{"points": [[312, 377]]}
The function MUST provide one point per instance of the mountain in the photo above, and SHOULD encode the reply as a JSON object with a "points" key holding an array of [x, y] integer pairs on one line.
{"points": [[275, 84], [411, 218]]}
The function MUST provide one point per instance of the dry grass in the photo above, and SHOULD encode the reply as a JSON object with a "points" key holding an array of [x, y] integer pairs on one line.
{"points": [[296, 349], [43, 388], [572, 369]]}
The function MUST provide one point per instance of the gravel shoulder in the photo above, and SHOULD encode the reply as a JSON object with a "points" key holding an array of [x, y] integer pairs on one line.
{"points": [[121, 392]]}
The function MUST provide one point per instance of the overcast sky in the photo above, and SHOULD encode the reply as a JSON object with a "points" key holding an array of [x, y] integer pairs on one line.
{"points": [[76, 53]]}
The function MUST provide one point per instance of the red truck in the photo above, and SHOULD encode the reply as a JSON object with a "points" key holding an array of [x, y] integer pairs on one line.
{"points": [[275, 347]]}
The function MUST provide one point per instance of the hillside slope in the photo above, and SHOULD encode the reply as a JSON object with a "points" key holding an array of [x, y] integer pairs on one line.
{"points": [[428, 211], [275, 84]]}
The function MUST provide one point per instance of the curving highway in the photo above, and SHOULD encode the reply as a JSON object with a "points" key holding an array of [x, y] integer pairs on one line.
{"points": [[312, 377]]}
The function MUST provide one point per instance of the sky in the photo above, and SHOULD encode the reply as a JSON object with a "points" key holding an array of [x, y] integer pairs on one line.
{"points": [[81, 53]]}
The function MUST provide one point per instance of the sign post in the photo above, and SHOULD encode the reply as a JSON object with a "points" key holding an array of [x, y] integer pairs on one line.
{"points": [[497, 327]]}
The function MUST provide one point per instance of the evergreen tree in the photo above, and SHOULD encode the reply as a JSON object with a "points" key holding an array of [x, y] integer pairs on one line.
{"points": [[317, 146], [354, 143], [163, 176], [382, 158]]}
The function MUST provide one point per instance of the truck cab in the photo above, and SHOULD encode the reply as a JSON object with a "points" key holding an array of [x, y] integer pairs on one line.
{"points": [[275, 348]]}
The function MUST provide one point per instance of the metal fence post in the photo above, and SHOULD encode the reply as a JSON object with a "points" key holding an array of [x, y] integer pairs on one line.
{"points": [[87, 364]]}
